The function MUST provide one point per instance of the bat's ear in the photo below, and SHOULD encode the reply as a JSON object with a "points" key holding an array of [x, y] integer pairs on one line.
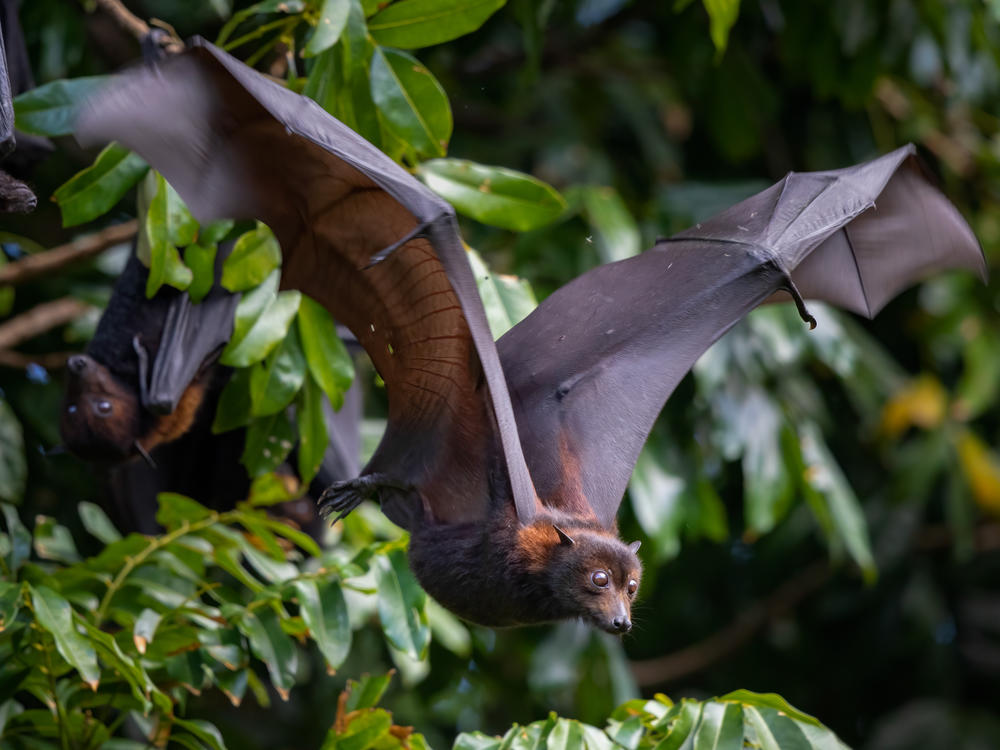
{"points": [[564, 538], [634, 547]]}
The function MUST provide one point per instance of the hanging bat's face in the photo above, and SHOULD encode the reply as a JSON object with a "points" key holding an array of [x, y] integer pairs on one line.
{"points": [[597, 575], [101, 418]]}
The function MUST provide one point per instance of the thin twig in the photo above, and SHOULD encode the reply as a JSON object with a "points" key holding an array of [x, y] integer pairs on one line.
{"points": [[125, 18], [32, 266], [39, 319], [722, 643], [48, 360]]}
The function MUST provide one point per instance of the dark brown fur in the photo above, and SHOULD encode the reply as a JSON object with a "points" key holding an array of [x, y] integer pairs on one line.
{"points": [[503, 573]]}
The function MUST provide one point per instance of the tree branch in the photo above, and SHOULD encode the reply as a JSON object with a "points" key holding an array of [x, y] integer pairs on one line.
{"points": [[125, 18], [40, 319], [48, 360], [32, 266], [706, 652]]}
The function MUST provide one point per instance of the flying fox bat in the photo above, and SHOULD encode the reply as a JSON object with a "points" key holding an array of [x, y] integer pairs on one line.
{"points": [[507, 461]]}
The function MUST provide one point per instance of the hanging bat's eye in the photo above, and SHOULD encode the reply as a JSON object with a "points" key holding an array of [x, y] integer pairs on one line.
{"points": [[600, 579], [104, 407], [71, 409], [633, 586]]}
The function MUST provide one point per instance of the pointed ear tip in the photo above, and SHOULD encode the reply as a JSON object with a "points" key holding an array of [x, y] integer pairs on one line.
{"points": [[564, 538]]}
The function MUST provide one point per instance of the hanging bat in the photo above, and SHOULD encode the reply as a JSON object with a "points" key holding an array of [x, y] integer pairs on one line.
{"points": [[15, 77], [148, 387], [507, 462]]}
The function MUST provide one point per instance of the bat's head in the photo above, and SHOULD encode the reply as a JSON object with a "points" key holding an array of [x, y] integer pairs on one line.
{"points": [[101, 418], [596, 575]]}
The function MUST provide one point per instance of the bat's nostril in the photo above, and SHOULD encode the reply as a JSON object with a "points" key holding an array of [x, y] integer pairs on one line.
{"points": [[77, 363]]}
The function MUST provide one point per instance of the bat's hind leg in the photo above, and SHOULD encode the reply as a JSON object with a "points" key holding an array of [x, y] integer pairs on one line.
{"points": [[343, 497]]}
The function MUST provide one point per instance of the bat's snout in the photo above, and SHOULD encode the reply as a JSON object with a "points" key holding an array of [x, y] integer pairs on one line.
{"points": [[78, 364]]}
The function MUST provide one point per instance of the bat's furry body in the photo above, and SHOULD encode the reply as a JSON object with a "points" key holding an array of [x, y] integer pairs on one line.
{"points": [[508, 461]]}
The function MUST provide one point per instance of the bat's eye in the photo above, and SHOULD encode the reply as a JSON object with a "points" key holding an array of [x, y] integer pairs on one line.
{"points": [[71, 409], [104, 407], [600, 579], [633, 586]]}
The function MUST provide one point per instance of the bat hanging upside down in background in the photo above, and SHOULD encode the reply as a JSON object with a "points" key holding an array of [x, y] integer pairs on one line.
{"points": [[507, 461]]}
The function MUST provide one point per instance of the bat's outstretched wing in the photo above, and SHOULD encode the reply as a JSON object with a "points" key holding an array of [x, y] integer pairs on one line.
{"points": [[235, 144], [590, 369]]}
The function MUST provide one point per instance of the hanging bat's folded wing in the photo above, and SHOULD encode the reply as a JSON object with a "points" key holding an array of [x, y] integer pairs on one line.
{"points": [[193, 337], [357, 233], [590, 369]]}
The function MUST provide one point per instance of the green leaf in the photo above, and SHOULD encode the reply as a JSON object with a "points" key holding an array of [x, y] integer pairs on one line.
{"points": [[176, 510], [617, 234], [826, 479], [272, 646], [268, 489], [13, 465], [329, 362], [768, 487], [145, 628], [401, 604], [421, 23], [10, 602], [367, 692], [507, 299], [201, 260], [332, 20], [269, 441], [324, 611], [214, 232], [722, 15], [97, 523], [721, 727], [264, 333], [51, 109], [234, 403], [274, 383], [252, 305], [493, 195], [313, 435], [165, 222], [54, 542], [413, 103], [95, 190], [20, 538], [686, 718], [364, 732], [206, 732], [769, 700], [56, 616], [255, 255]]}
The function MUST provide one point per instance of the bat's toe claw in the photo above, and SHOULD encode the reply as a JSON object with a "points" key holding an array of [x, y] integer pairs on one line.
{"points": [[343, 497]]}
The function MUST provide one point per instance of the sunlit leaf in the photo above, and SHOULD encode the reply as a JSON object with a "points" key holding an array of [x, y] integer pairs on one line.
{"points": [[165, 223], [272, 646], [51, 109], [981, 468], [313, 435], [493, 195], [421, 23], [56, 616], [507, 299], [93, 191], [617, 235], [364, 731], [201, 260], [329, 362], [322, 606], [412, 101], [723, 14], [274, 383], [264, 333], [329, 27], [401, 605], [255, 255]]}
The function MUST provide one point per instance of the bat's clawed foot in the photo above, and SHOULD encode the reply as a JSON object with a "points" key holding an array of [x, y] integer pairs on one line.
{"points": [[343, 497]]}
